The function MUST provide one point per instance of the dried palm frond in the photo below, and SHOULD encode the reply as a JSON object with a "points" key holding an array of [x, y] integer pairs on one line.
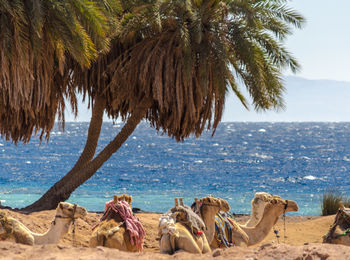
{"points": [[36, 37]]}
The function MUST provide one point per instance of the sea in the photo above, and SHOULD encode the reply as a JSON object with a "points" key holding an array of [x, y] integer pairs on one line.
{"points": [[297, 161]]}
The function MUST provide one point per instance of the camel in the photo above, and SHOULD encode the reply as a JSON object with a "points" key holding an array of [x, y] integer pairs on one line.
{"points": [[66, 214], [339, 235], [118, 227], [243, 235], [182, 230]]}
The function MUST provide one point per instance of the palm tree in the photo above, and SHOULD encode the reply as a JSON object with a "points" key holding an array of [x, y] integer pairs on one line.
{"points": [[35, 38], [172, 62], [42, 43]]}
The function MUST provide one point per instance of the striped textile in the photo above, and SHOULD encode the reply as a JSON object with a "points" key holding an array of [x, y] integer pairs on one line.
{"points": [[223, 230]]}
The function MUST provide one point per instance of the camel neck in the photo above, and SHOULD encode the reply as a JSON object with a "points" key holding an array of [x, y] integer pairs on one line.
{"points": [[59, 227], [261, 230], [208, 216]]}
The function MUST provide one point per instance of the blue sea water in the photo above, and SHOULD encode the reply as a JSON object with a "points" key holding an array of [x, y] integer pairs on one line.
{"points": [[298, 161]]}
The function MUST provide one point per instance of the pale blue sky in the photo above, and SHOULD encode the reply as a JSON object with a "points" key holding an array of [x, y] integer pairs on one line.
{"points": [[323, 46], [323, 49]]}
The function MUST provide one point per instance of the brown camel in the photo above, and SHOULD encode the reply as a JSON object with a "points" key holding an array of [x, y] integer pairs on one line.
{"points": [[339, 233], [119, 228]]}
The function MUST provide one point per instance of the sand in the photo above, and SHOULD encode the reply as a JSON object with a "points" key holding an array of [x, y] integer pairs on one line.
{"points": [[302, 241]]}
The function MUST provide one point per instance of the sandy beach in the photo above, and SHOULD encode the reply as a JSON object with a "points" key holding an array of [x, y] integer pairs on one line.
{"points": [[302, 241]]}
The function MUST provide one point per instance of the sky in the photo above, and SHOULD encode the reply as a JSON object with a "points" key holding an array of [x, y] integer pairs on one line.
{"points": [[323, 45], [322, 48]]}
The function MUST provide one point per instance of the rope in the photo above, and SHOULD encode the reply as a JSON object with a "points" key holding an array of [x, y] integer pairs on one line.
{"points": [[284, 221], [73, 223], [277, 236], [347, 231]]}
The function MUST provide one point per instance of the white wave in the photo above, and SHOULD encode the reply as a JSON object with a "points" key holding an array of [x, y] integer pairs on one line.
{"points": [[262, 156], [1, 144], [198, 161], [279, 179], [310, 177], [28, 162], [262, 130], [346, 159], [216, 144]]}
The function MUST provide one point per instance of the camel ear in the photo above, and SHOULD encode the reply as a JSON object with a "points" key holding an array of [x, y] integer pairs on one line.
{"points": [[60, 205], [176, 202], [115, 199], [181, 202], [130, 199], [341, 205]]}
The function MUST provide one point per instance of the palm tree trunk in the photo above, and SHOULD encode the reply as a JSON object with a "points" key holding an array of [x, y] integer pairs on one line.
{"points": [[93, 135], [70, 184], [87, 154]]}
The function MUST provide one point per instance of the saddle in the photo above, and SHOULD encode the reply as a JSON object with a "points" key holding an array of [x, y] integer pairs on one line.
{"points": [[342, 219]]}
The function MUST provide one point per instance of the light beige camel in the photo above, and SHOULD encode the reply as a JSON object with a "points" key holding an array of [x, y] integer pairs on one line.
{"points": [[113, 232], [273, 209], [339, 232], [243, 235], [258, 204], [180, 229], [66, 213]]}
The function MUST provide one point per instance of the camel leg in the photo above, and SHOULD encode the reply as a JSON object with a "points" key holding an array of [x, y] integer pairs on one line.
{"points": [[96, 239], [117, 240], [206, 247], [165, 244], [24, 238], [188, 244]]}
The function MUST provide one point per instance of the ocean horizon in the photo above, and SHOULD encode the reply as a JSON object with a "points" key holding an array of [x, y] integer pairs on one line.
{"points": [[297, 160]]}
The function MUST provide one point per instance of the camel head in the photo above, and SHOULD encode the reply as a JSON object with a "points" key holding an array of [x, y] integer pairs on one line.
{"points": [[258, 205], [69, 210], [281, 206], [210, 203], [123, 197]]}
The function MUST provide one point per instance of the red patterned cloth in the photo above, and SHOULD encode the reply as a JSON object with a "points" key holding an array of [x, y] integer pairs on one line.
{"points": [[132, 223]]}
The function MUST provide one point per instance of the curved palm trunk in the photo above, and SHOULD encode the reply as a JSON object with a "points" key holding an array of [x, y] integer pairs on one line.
{"points": [[69, 183], [85, 157], [93, 135]]}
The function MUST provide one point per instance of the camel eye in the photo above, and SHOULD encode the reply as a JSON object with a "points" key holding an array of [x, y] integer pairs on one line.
{"points": [[70, 209]]}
